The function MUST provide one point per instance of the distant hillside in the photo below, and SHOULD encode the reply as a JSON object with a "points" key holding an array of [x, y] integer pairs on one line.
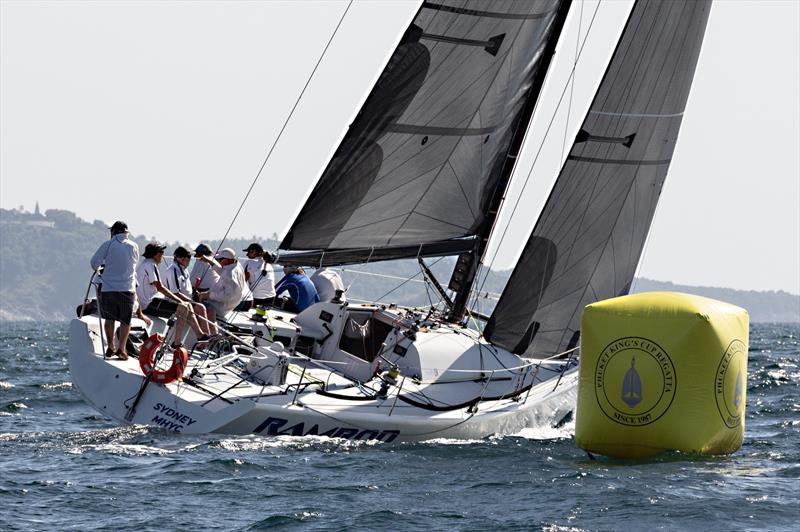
{"points": [[771, 306], [44, 272], [44, 262]]}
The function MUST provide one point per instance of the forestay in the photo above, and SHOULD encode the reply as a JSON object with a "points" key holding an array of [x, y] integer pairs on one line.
{"points": [[417, 169], [588, 240]]}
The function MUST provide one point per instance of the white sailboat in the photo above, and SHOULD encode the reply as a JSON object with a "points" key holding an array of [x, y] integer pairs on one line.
{"points": [[422, 172]]}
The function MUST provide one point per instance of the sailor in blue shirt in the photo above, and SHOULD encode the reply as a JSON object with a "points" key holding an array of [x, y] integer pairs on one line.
{"points": [[302, 293]]}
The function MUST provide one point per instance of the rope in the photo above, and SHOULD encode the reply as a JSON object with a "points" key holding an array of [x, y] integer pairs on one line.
{"points": [[385, 276], [407, 280], [277, 139], [371, 251], [280, 133], [428, 290], [572, 84]]}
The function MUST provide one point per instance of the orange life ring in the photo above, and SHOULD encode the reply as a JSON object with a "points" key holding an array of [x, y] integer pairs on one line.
{"points": [[147, 361]]}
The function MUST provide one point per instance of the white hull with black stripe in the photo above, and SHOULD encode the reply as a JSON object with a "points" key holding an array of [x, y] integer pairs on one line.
{"points": [[423, 171], [405, 377]]}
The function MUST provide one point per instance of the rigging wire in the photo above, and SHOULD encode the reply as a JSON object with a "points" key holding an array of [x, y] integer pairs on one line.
{"points": [[427, 288], [385, 276], [539, 150], [572, 84], [632, 288], [487, 294], [408, 280], [280, 133]]}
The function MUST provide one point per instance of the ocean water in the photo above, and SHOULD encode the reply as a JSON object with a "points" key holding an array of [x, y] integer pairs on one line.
{"points": [[65, 467]]}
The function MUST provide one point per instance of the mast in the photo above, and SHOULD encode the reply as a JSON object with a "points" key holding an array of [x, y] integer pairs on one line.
{"points": [[466, 268]]}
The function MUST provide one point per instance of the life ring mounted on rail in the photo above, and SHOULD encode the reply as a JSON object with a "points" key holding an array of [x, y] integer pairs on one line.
{"points": [[147, 361]]}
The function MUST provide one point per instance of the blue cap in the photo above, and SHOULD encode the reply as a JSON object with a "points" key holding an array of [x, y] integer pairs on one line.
{"points": [[202, 249]]}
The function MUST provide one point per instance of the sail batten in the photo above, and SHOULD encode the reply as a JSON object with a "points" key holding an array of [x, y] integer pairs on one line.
{"points": [[412, 129], [589, 237], [633, 162], [336, 257], [480, 13], [428, 149]]}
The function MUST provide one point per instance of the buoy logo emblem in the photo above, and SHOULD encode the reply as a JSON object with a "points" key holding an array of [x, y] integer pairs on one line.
{"points": [[737, 397], [632, 386], [729, 384], [635, 381]]}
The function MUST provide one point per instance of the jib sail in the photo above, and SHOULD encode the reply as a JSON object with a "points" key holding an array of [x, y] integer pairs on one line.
{"points": [[589, 237]]}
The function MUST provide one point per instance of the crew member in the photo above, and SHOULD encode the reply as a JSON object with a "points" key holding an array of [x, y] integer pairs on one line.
{"points": [[227, 293], [156, 300], [301, 291], [118, 255], [327, 282], [259, 275], [176, 279], [203, 276]]}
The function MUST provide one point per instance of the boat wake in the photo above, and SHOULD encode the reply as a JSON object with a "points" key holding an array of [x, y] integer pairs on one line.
{"points": [[565, 431]]}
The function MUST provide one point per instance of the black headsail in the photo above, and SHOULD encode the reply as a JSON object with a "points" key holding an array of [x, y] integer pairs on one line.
{"points": [[589, 237], [420, 168]]}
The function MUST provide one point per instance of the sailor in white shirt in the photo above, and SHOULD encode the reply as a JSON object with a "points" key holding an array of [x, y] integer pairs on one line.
{"points": [[227, 293], [157, 300], [327, 282], [119, 255], [203, 277], [259, 275], [176, 279]]}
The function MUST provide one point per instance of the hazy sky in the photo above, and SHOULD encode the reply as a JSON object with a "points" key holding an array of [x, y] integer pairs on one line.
{"points": [[161, 114]]}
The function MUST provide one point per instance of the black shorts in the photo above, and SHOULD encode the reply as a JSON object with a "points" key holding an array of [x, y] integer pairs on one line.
{"points": [[266, 302], [117, 306], [161, 307], [286, 303], [244, 306]]}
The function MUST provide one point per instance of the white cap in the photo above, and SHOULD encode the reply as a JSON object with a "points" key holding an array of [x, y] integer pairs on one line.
{"points": [[226, 253]]}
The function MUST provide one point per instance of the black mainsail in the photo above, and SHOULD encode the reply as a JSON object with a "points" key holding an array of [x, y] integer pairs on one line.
{"points": [[589, 237], [420, 169]]}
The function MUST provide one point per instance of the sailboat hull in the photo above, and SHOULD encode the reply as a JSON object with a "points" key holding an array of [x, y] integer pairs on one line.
{"points": [[111, 386]]}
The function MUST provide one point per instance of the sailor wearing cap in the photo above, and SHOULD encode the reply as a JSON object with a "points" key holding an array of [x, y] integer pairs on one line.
{"points": [[156, 300], [203, 277], [259, 274], [176, 279], [227, 293], [119, 255]]}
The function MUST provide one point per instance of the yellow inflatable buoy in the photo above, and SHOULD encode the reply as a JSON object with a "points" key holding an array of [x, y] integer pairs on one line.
{"points": [[662, 371]]}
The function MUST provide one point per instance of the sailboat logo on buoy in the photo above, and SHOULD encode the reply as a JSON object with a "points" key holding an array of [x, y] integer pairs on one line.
{"points": [[729, 389], [737, 396], [632, 386], [622, 368]]}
